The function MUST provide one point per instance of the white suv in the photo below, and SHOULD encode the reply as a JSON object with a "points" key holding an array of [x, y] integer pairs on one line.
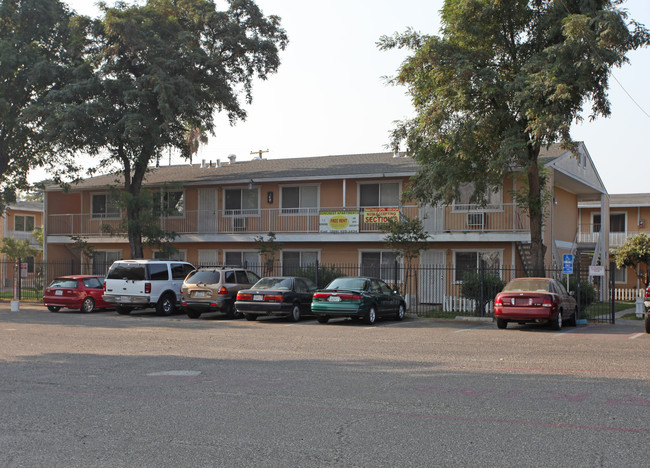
{"points": [[139, 284]]}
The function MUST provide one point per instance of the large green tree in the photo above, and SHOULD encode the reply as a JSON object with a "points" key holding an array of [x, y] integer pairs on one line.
{"points": [[38, 51], [156, 72], [635, 252], [504, 79]]}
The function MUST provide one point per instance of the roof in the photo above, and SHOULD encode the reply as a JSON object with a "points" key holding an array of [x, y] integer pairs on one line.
{"points": [[25, 206], [622, 200], [358, 166], [259, 170]]}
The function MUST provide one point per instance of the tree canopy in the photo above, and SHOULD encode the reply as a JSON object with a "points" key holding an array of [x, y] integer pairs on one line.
{"points": [[504, 79], [156, 73], [38, 53], [634, 253]]}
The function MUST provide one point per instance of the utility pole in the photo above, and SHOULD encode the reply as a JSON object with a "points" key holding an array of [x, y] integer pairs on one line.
{"points": [[259, 153]]}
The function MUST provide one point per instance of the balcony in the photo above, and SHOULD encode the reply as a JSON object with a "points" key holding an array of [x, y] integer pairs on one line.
{"points": [[24, 236], [588, 234], [506, 218]]}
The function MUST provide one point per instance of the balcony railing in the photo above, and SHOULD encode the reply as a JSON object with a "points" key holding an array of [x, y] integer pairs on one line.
{"points": [[505, 218], [586, 235]]}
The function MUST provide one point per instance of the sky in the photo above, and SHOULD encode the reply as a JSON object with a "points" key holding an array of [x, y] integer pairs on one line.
{"points": [[330, 94]]}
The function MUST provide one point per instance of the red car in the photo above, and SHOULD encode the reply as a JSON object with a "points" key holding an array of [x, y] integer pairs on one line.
{"points": [[83, 292], [541, 300]]}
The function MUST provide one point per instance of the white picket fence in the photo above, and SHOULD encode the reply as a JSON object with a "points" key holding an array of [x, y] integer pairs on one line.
{"points": [[628, 294], [464, 305]]}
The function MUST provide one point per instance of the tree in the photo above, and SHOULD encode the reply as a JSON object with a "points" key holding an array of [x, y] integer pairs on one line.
{"points": [[154, 73], [38, 53], [502, 81], [268, 249], [406, 236], [634, 253]]}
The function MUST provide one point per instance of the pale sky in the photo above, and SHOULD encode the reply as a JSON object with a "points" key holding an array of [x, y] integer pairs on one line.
{"points": [[329, 96]]}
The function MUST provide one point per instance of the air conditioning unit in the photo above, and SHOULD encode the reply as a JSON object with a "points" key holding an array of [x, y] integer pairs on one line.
{"points": [[239, 224], [476, 220]]}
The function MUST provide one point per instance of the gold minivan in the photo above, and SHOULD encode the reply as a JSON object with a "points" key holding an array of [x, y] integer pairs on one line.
{"points": [[214, 289]]}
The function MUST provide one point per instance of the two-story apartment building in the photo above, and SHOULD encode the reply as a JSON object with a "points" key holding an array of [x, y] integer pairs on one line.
{"points": [[629, 214], [327, 209], [19, 221]]}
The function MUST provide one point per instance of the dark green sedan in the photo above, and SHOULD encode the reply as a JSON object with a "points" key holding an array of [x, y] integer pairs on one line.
{"points": [[357, 297]]}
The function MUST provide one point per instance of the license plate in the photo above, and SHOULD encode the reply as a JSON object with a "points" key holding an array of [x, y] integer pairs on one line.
{"points": [[199, 294], [334, 299], [258, 297], [58, 293], [126, 299]]}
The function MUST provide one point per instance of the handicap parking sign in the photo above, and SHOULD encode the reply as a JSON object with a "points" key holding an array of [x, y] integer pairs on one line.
{"points": [[567, 264]]}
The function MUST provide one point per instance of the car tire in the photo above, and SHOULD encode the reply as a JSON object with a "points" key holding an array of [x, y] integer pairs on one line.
{"points": [[371, 318], [557, 323], [294, 315], [88, 305], [251, 317], [193, 314], [400, 312], [572, 321], [166, 305], [323, 319], [123, 310], [647, 322], [502, 324], [53, 308], [232, 313]]}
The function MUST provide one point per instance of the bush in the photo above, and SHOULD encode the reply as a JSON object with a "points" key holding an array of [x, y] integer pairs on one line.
{"points": [[491, 285], [587, 291], [325, 274]]}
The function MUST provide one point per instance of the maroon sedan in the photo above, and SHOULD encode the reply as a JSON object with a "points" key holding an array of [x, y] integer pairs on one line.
{"points": [[540, 300], [83, 292]]}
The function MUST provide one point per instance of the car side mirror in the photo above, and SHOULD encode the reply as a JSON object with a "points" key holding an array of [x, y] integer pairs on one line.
{"points": [[572, 293]]}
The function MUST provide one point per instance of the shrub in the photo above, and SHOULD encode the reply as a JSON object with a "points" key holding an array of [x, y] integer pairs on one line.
{"points": [[491, 285], [325, 274], [587, 291]]}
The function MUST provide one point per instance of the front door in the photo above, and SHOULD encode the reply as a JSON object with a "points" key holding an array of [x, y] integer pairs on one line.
{"points": [[432, 276], [207, 210]]}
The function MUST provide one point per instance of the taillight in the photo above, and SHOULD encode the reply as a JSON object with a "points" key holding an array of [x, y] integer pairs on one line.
{"points": [[104, 286], [647, 294], [350, 296], [273, 297], [147, 288], [321, 295], [498, 301], [548, 302], [244, 297], [223, 291]]}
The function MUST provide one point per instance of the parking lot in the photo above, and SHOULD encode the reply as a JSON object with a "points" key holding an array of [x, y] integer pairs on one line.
{"points": [[103, 389]]}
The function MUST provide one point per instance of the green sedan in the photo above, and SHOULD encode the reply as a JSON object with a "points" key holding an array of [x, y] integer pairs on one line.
{"points": [[357, 297]]}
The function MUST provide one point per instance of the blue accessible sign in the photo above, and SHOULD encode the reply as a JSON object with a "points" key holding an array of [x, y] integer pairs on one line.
{"points": [[567, 264]]}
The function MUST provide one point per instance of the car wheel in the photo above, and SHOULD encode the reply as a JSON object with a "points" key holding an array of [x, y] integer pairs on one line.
{"points": [[53, 308], [88, 305], [572, 320], [502, 324], [371, 318], [231, 312], [400, 312], [193, 314], [251, 317], [323, 319], [165, 305], [123, 310], [647, 323], [294, 315], [557, 323]]}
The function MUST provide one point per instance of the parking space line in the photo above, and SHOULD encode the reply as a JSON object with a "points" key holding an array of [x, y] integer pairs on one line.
{"points": [[473, 328], [636, 335], [573, 330]]}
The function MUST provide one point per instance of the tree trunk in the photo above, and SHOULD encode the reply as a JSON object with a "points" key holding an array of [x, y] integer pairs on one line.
{"points": [[536, 213], [133, 186]]}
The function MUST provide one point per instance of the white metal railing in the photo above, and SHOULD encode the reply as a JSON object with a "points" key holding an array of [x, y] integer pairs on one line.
{"points": [[590, 233], [281, 220], [628, 294]]}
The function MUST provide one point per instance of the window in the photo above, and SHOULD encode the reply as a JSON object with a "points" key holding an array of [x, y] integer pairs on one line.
{"points": [[380, 194], [30, 264], [158, 271], [381, 265], [493, 200], [23, 223], [243, 259], [617, 222], [104, 206], [299, 199], [181, 270], [295, 260], [169, 203], [94, 283], [471, 262], [620, 275], [102, 261], [242, 201], [179, 255]]}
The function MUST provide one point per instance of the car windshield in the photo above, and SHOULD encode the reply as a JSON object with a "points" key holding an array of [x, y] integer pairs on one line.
{"points": [[203, 277], [528, 284], [63, 283], [273, 283], [348, 283]]}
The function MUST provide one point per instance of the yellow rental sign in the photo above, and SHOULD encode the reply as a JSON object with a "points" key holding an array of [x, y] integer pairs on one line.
{"points": [[380, 215]]}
